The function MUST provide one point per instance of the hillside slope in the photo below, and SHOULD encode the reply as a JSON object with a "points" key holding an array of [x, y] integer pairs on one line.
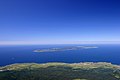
{"points": [[60, 71]]}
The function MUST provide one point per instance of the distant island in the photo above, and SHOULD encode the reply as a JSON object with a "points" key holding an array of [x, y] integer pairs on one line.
{"points": [[60, 71], [64, 49]]}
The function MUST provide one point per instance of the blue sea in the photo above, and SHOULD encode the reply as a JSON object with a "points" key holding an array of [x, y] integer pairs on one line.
{"points": [[10, 54]]}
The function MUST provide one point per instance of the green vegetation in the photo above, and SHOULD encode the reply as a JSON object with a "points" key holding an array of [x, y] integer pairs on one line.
{"points": [[60, 71]]}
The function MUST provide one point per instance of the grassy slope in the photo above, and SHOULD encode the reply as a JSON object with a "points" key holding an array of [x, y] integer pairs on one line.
{"points": [[60, 71]]}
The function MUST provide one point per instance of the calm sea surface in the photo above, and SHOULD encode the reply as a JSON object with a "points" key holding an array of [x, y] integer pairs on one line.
{"points": [[24, 54]]}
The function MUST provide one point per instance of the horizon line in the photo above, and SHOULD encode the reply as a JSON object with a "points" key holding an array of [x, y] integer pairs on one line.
{"points": [[56, 42]]}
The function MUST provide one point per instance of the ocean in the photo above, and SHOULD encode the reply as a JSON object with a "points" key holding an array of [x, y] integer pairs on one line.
{"points": [[10, 54]]}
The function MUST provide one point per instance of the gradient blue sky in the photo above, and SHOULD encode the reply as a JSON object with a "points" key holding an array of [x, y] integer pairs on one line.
{"points": [[59, 21]]}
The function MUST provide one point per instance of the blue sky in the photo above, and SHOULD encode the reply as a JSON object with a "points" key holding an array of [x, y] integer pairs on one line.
{"points": [[59, 21]]}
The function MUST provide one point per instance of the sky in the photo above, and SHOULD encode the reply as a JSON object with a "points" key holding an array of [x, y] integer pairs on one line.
{"points": [[59, 21]]}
